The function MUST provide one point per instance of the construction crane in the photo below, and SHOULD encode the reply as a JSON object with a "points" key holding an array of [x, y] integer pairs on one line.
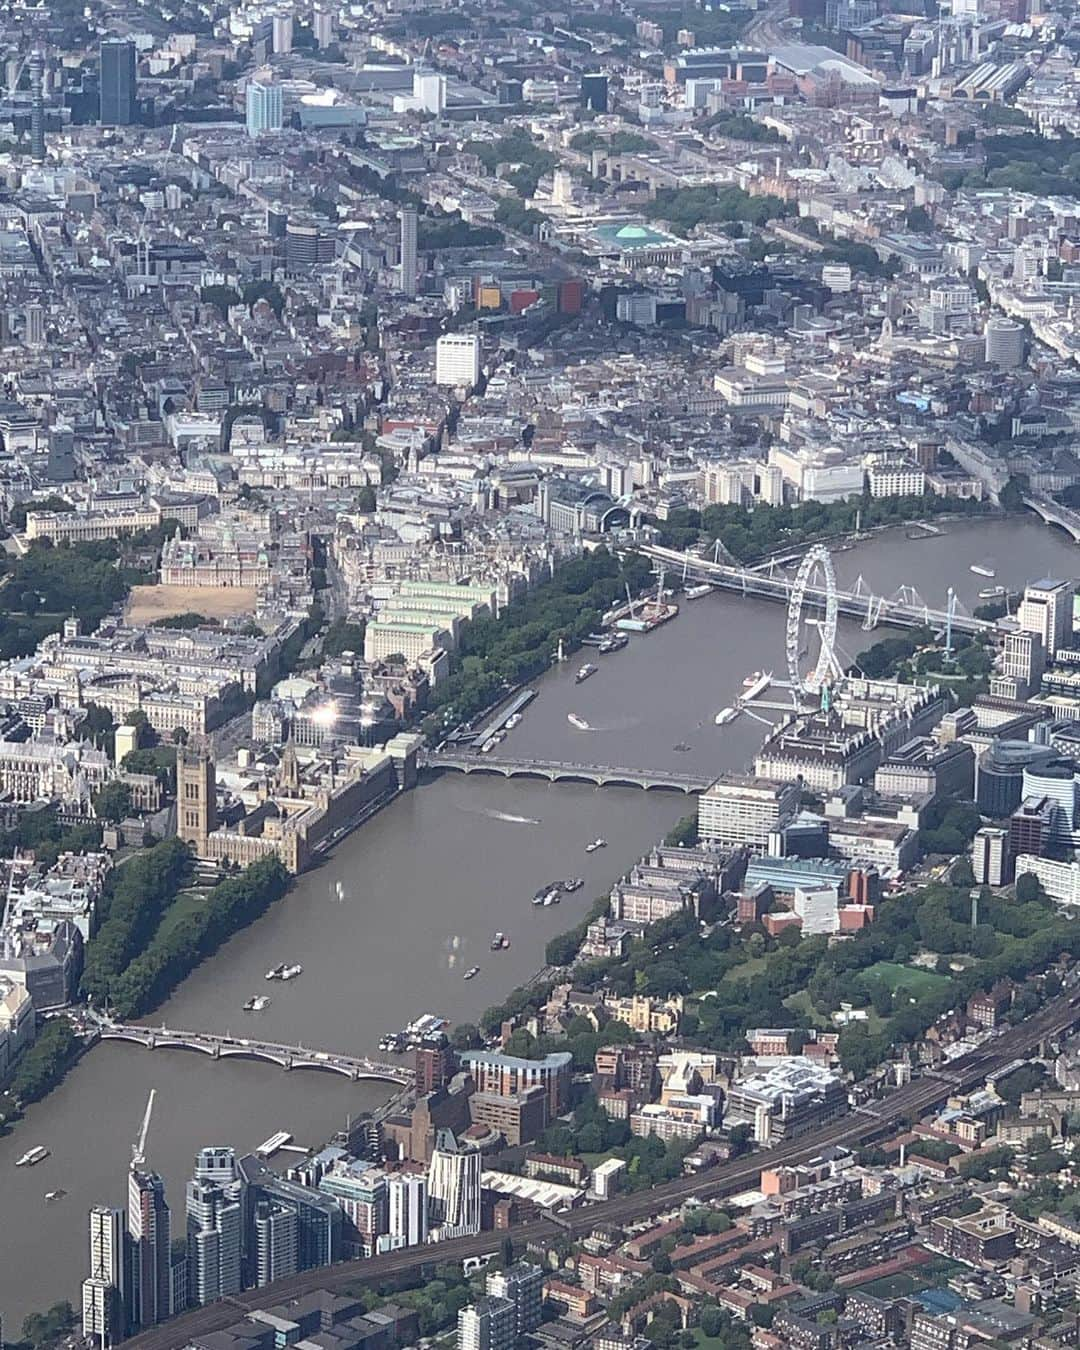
{"points": [[138, 1149]]}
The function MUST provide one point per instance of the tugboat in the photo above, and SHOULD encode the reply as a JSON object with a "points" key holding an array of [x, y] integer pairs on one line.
{"points": [[586, 672], [471, 973]]}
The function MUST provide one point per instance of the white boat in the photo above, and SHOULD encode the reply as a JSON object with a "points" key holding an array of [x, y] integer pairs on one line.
{"points": [[596, 843], [553, 897], [725, 715], [696, 592], [276, 972], [758, 685], [512, 721], [579, 722], [291, 972], [257, 1004], [981, 571], [991, 592], [471, 973], [32, 1157], [586, 672], [573, 884]]}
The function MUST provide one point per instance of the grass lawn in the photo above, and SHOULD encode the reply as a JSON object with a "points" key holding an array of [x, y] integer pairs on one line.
{"points": [[745, 970], [180, 911], [707, 1342], [893, 977], [800, 1002]]}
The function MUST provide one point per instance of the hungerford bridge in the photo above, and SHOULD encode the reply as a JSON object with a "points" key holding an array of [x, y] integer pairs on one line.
{"points": [[236, 1047], [905, 608]]}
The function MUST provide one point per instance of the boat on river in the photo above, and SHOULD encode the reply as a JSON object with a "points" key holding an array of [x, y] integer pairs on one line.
{"points": [[579, 722], [981, 571], [758, 685], [32, 1156], [726, 715]]}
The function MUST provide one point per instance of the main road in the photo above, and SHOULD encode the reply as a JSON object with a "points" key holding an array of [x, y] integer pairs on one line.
{"points": [[859, 1126]]}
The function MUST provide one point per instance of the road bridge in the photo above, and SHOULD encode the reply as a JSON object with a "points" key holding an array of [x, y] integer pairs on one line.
{"points": [[557, 771], [905, 608], [355, 1067], [1053, 513]]}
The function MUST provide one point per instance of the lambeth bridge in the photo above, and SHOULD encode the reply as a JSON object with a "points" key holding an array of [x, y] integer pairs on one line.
{"points": [[237, 1047], [904, 609], [557, 771]]}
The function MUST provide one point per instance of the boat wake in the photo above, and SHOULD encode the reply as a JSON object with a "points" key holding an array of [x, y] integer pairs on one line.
{"points": [[506, 816], [619, 724]]}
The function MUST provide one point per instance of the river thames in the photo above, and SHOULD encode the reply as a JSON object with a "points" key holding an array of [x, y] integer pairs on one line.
{"points": [[423, 886]]}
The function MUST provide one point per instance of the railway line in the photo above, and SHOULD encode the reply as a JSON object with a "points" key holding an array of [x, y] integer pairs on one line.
{"points": [[858, 1127]]}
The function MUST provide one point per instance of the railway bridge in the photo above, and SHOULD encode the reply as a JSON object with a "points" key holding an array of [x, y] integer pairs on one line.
{"points": [[905, 608]]}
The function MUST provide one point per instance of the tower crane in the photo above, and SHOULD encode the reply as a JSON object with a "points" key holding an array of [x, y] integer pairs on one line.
{"points": [[138, 1149]]}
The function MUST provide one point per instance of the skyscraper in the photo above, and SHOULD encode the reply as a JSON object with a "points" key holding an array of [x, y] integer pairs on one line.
{"points": [[34, 325], [265, 110], [523, 1285], [214, 1227], [322, 26], [117, 83], [1046, 609], [37, 107], [283, 32], [408, 251], [150, 1232], [454, 1187], [104, 1316], [408, 1201], [594, 91], [275, 1241], [318, 1219], [487, 1324]]}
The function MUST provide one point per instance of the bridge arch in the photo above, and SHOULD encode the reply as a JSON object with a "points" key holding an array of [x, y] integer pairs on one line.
{"points": [[181, 1043]]}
